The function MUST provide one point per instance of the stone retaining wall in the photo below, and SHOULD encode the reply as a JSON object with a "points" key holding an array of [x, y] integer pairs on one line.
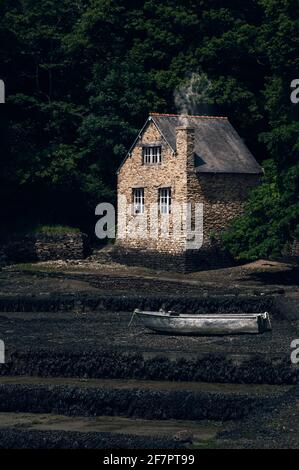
{"points": [[291, 252], [295, 249], [111, 364], [132, 402], [18, 438], [127, 303], [47, 246]]}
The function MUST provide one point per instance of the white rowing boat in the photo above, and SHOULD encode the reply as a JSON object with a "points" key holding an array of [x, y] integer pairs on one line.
{"points": [[205, 324]]}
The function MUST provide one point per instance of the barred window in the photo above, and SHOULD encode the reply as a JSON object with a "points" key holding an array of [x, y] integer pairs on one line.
{"points": [[138, 201], [165, 200], [151, 155]]}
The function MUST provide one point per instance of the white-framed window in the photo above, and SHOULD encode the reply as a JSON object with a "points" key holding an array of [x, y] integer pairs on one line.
{"points": [[152, 155], [138, 201], [165, 200]]}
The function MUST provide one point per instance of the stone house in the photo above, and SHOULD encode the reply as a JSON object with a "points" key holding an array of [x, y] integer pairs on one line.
{"points": [[176, 160]]}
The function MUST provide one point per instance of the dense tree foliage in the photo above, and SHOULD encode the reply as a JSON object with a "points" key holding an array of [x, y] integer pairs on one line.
{"points": [[82, 75]]}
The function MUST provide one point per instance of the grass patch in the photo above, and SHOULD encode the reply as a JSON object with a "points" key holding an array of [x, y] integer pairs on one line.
{"points": [[35, 268], [208, 444], [59, 229]]}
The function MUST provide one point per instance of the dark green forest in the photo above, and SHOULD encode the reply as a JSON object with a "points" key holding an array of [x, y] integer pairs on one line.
{"points": [[82, 75]]}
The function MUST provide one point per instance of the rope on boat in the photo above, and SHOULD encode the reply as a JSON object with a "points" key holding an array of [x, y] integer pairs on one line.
{"points": [[132, 317]]}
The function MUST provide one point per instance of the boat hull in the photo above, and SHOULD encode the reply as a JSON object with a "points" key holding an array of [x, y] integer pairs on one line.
{"points": [[226, 324]]}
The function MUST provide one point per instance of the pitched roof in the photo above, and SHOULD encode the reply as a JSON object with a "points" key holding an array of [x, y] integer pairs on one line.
{"points": [[218, 147]]}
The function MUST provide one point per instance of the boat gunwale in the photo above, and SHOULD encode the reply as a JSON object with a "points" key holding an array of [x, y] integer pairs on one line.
{"points": [[224, 316]]}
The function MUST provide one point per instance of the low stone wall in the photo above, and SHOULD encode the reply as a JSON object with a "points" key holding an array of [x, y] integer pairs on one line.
{"points": [[104, 363], [47, 246], [18, 438], [291, 252], [132, 402], [120, 303], [295, 249]]}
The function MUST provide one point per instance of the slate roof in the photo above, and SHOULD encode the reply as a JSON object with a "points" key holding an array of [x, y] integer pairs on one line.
{"points": [[218, 147]]}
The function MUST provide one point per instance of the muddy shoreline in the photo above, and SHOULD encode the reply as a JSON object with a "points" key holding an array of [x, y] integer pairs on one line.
{"points": [[70, 325]]}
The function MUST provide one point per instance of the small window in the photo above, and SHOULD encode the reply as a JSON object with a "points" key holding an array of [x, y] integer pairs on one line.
{"points": [[138, 201], [165, 200], [151, 155]]}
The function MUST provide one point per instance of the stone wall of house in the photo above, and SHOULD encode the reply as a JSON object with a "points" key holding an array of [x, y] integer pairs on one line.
{"points": [[185, 261], [170, 173], [154, 259], [222, 196], [47, 246]]}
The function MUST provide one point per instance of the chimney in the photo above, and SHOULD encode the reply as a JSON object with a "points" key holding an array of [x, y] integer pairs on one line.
{"points": [[185, 145]]}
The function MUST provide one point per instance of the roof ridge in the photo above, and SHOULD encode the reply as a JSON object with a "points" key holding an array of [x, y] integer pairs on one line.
{"points": [[189, 115]]}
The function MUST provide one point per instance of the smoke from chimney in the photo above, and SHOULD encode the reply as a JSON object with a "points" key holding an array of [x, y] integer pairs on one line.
{"points": [[193, 96]]}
